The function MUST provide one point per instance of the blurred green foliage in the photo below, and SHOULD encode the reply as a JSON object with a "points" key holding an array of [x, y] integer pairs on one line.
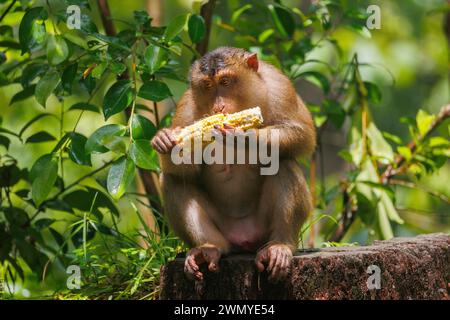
{"points": [[80, 106]]}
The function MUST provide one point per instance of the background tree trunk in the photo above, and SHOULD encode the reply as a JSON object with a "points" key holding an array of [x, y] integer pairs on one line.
{"points": [[410, 268]]}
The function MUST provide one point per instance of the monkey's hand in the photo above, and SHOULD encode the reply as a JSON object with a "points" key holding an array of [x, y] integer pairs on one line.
{"points": [[277, 257], [165, 140], [195, 257], [226, 129]]}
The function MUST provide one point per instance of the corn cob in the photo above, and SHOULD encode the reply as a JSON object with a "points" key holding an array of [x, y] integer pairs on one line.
{"points": [[244, 120]]}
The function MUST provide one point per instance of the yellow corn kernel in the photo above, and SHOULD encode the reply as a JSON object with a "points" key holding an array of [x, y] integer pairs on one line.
{"points": [[244, 120]]}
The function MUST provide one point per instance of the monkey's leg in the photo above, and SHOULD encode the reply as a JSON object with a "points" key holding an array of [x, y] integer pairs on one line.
{"points": [[285, 204], [191, 216]]}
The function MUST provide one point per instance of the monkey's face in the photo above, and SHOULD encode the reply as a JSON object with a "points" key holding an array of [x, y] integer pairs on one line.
{"points": [[223, 82]]}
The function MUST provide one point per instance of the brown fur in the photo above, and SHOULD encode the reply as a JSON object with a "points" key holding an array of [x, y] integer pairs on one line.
{"points": [[221, 208]]}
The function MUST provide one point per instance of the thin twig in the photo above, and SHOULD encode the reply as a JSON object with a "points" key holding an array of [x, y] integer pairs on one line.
{"points": [[206, 12], [7, 10], [412, 185], [396, 168]]}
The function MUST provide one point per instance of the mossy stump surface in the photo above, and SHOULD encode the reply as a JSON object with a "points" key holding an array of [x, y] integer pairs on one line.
{"points": [[409, 268]]}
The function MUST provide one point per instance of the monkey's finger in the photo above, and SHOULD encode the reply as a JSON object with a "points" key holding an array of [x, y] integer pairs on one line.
{"points": [[286, 264], [191, 263], [211, 257], [220, 130], [227, 126], [275, 272], [199, 276], [284, 267], [170, 135], [190, 273], [166, 140], [160, 145], [261, 257], [272, 259], [157, 147]]}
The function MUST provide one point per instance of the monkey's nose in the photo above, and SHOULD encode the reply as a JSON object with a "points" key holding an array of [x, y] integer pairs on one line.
{"points": [[218, 108]]}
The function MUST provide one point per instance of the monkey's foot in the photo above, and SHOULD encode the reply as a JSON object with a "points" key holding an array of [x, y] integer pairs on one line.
{"points": [[277, 258], [195, 257]]}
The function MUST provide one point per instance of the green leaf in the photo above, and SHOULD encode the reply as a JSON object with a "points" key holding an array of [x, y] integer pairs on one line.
{"points": [[10, 44], [424, 121], [389, 207], [15, 216], [392, 137], [141, 17], [43, 223], [265, 35], [77, 151], [115, 143], [366, 209], [237, 13], [85, 106], [95, 145], [9, 175], [42, 136], [384, 224], [335, 112], [142, 128], [24, 94], [87, 25], [33, 120], [45, 87], [175, 26], [58, 205], [196, 28], [99, 70], [405, 152], [57, 50], [68, 77], [378, 145], [316, 78], [155, 58], [32, 257], [83, 199], [154, 91], [373, 92], [117, 67], [4, 141], [59, 239], [379, 186], [43, 176], [31, 72], [31, 32], [438, 142], [120, 176], [117, 98], [143, 155], [284, 21]]}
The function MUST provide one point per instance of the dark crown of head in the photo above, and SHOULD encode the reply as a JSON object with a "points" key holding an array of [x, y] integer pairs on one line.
{"points": [[218, 59]]}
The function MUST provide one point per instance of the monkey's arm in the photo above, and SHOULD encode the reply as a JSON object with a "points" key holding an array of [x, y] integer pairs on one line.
{"points": [[184, 115], [297, 135]]}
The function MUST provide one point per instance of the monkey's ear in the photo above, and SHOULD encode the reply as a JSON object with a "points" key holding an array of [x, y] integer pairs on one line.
{"points": [[252, 62]]}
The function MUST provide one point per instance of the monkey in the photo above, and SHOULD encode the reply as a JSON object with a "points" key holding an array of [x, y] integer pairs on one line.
{"points": [[220, 209]]}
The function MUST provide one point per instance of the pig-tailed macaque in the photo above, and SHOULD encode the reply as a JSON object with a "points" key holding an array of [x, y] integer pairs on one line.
{"points": [[222, 208]]}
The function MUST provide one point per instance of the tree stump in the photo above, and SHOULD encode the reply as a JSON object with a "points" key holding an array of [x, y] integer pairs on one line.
{"points": [[400, 268]]}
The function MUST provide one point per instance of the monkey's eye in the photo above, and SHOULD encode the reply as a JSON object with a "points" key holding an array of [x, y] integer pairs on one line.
{"points": [[208, 84], [225, 81]]}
